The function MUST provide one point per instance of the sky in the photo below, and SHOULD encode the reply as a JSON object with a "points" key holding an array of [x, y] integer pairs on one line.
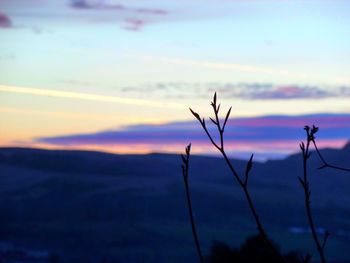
{"points": [[119, 76]]}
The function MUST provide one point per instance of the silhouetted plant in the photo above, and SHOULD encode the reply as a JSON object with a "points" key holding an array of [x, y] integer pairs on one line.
{"points": [[253, 250], [53, 258], [304, 181], [325, 164], [185, 166], [241, 180], [260, 246], [222, 253]]}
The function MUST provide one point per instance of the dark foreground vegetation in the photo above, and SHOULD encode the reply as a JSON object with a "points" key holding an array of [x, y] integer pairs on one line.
{"points": [[261, 248]]}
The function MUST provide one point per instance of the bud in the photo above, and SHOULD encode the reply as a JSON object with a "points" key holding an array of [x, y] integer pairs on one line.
{"points": [[195, 114]]}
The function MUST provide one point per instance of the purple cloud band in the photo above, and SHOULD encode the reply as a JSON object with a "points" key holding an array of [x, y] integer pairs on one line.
{"points": [[266, 136], [5, 21]]}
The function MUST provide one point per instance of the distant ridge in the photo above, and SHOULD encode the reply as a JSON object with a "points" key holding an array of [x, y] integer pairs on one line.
{"points": [[85, 162], [95, 162], [347, 146]]}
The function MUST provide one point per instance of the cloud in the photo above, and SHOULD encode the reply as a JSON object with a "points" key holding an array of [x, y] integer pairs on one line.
{"points": [[133, 24], [108, 5], [286, 92], [100, 5], [248, 91], [5, 21], [87, 96], [129, 18], [267, 136], [151, 11], [292, 92]]}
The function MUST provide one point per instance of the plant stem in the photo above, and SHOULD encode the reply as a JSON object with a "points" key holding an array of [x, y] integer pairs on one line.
{"points": [[325, 163], [194, 232], [259, 225], [307, 193], [241, 182], [189, 203]]}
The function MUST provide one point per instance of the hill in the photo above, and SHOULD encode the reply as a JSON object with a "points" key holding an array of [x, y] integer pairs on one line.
{"points": [[89, 206]]}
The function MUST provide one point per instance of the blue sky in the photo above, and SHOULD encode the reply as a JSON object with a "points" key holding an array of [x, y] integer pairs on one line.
{"points": [[79, 67]]}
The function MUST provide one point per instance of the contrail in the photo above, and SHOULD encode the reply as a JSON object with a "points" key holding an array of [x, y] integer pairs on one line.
{"points": [[88, 96]]}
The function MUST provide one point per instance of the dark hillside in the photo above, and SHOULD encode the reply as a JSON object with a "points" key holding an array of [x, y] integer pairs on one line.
{"points": [[91, 205]]}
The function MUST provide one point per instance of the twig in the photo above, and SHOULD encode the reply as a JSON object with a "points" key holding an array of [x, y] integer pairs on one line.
{"points": [[242, 182], [323, 160], [310, 132], [185, 165], [306, 259], [325, 238]]}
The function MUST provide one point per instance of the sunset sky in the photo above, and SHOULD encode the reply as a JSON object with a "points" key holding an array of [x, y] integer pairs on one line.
{"points": [[119, 76]]}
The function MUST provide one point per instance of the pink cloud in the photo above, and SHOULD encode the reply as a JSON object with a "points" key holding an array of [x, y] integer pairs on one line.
{"points": [[5, 21], [139, 16]]}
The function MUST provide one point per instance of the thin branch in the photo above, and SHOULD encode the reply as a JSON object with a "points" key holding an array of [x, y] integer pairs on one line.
{"points": [[226, 119], [218, 124], [305, 149], [247, 170], [185, 166], [325, 238], [240, 181], [325, 163], [209, 136]]}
